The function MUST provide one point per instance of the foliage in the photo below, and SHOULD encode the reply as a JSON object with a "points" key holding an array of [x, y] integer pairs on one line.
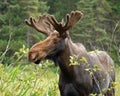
{"points": [[23, 79], [34, 80], [92, 25], [73, 60], [28, 80], [12, 16], [61, 8], [99, 27]]}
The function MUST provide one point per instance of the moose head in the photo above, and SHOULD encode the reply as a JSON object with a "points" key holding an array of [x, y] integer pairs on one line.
{"points": [[56, 33]]}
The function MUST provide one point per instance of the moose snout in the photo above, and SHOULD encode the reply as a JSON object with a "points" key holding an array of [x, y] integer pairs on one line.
{"points": [[32, 57], [36, 57]]}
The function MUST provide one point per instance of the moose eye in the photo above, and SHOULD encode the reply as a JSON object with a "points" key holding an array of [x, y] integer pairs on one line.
{"points": [[55, 41]]}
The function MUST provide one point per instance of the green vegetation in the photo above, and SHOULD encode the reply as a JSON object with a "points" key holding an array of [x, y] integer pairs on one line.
{"points": [[34, 80], [98, 29], [28, 80], [117, 83]]}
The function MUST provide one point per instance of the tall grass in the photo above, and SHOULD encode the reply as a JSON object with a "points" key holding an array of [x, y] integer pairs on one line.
{"points": [[28, 80], [34, 80], [117, 86]]}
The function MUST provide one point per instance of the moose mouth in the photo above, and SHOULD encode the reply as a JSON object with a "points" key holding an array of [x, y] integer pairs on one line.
{"points": [[37, 62]]}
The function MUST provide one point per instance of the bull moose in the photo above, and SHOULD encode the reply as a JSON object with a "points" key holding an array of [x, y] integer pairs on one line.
{"points": [[78, 79]]}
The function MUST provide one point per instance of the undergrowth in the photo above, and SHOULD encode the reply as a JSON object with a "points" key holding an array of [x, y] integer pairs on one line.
{"points": [[28, 80], [34, 80], [18, 78]]}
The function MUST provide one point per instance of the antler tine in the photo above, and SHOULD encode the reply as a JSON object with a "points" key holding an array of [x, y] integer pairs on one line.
{"points": [[72, 19], [28, 22], [43, 24], [57, 25], [47, 23]]}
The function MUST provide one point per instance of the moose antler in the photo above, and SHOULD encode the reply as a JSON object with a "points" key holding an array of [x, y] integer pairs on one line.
{"points": [[42, 25], [72, 19], [47, 23]]}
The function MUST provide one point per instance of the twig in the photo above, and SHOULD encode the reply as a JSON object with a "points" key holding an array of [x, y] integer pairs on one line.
{"points": [[36, 78], [112, 38], [115, 29], [7, 47]]}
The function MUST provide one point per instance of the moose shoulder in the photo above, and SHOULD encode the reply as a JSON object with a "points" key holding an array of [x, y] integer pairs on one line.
{"points": [[94, 73]]}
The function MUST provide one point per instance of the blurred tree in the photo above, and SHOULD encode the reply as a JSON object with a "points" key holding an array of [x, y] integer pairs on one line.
{"points": [[61, 7], [115, 4], [32, 8], [99, 27], [92, 29], [115, 26], [12, 16]]}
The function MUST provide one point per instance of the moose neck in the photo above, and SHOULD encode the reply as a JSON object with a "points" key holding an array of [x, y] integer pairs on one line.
{"points": [[70, 49]]}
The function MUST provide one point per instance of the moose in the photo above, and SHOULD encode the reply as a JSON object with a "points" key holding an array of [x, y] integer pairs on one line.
{"points": [[74, 80]]}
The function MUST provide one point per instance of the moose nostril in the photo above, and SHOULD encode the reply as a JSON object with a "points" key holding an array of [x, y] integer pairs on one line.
{"points": [[32, 56]]}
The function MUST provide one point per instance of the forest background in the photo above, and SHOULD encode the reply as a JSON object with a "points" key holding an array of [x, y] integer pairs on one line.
{"points": [[99, 29]]}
